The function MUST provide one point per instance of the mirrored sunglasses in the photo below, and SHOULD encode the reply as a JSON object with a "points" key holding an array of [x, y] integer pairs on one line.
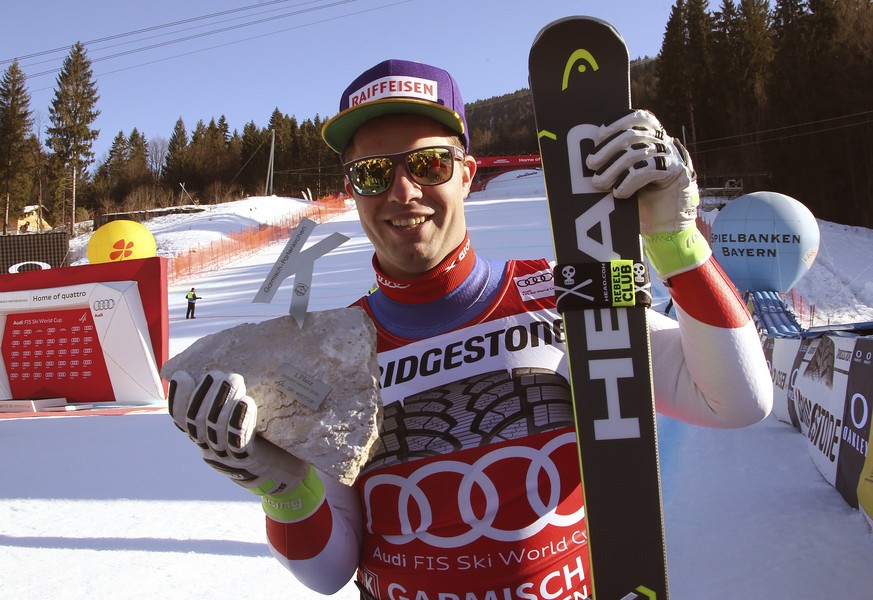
{"points": [[433, 165]]}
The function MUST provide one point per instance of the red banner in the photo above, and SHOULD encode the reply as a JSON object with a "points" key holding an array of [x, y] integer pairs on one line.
{"points": [[55, 353], [96, 333]]}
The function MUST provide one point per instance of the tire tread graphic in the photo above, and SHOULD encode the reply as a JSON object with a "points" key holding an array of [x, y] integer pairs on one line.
{"points": [[484, 409]]}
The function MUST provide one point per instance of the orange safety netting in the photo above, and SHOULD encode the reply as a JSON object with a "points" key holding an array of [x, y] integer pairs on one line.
{"points": [[246, 242]]}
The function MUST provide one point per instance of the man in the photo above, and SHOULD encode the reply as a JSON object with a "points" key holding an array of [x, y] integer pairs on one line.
{"points": [[473, 490], [192, 299]]}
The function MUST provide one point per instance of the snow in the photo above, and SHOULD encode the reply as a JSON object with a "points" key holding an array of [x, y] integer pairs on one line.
{"points": [[840, 282], [123, 507]]}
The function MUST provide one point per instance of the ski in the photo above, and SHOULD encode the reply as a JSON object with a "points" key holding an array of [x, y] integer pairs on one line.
{"points": [[579, 79]]}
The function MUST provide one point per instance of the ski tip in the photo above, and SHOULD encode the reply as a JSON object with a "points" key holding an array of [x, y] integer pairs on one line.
{"points": [[578, 18]]}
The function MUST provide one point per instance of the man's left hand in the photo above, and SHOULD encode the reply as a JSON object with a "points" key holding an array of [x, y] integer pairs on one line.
{"points": [[635, 155]]}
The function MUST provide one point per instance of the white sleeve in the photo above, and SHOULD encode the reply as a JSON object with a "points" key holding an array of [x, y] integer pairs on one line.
{"points": [[708, 375]]}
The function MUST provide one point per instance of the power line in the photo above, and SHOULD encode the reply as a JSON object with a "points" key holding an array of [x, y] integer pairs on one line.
{"points": [[203, 34], [147, 29], [762, 131], [92, 43], [222, 30], [697, 150]]}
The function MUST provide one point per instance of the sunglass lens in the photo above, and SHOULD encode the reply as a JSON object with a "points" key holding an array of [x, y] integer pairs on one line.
{"points": [[431, 166], [371, 176]]}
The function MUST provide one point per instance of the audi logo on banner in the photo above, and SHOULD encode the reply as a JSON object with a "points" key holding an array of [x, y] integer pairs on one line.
{"points": [[542, 277], [107, 304]]}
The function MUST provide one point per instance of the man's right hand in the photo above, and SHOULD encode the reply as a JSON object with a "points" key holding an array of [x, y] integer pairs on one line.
{"points": [[220, 418]]}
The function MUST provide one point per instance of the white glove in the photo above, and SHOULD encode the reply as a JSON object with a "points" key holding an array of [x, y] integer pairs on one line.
{"points": [[220, 418], [635, 155]]}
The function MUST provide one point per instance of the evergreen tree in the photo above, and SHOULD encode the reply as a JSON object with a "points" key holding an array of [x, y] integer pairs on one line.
{"points": [[255, 153], [174, 175], [685, 101], [721, 154], [701, 77], [644, 82], [754, 46], [325, 175], [790, 79], [196, 158], [838, 164], [308, 146], [782, 93], [224, 128], [137, 176], [214, 154], [233, 166], [787, 15], [136, 167], [211, 155], [502, 125], [674, 93], [756, 52], [15, 124], [287, 156], [792, 55], [72, 111], [107, 187]]}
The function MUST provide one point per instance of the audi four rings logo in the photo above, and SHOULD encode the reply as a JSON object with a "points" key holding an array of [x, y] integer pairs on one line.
{"points": [[535, 279], [475, 481], [107, 304]]}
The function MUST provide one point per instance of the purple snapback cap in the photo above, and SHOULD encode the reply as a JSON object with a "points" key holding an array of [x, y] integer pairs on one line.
{"points": [[397, 87]]}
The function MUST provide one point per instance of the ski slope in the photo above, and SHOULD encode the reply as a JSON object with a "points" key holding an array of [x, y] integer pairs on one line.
{"points": [[123, 507]]}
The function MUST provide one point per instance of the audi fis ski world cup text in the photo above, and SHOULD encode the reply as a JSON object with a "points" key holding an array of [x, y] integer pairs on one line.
{"points": [[468, 562]]}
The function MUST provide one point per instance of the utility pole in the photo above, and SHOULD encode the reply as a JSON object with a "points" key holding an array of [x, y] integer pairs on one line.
{"points": [[186, 193], [6, 217], [268, 186], [73, 208], [38, 157]]}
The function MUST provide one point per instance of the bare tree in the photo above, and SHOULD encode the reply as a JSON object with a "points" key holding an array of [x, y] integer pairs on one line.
{"points": [[157, 153]]}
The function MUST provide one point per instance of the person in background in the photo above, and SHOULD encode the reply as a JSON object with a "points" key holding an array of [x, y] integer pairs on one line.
{"points": [[192, 299], [473, 489]]}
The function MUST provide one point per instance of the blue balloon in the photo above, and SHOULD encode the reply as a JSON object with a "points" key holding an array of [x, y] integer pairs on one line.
{"points": [[765, 241]]}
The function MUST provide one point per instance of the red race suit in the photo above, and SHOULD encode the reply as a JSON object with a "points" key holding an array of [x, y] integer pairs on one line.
{"points": [[473, 491]]}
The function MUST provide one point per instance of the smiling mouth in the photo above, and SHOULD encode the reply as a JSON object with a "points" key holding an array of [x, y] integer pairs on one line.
{"points": [[411, 222]]}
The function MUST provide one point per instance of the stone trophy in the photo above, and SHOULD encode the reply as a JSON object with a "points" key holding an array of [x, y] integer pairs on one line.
{"points": [[314, 376]]}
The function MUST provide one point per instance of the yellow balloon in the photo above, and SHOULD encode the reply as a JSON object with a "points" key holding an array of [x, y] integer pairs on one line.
{"points": [[121, 240]]}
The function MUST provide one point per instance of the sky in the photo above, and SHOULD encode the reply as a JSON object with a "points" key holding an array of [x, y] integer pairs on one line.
{"points": [[299, 55], [123, 507]]}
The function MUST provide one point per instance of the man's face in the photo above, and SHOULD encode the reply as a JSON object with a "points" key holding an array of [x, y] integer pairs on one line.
{"points": [[413, 227]]}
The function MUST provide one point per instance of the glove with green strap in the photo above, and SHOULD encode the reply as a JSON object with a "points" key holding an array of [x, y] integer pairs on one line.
{"points": [[635, 155], [220, 418]]}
